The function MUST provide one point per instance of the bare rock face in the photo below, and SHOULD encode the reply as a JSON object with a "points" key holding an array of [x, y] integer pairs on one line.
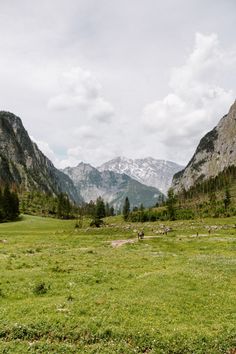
{"points": [[215, 152], [23, 164], [111, 186], [149, 171]]}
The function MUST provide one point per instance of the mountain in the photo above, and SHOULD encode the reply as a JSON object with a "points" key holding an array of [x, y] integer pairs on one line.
{"points": [[111, 186], [214, 154], [149, 171], [23, 164]]}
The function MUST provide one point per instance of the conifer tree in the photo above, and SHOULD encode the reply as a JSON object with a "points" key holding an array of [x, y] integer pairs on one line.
{"points": [[126, 209], [171, 202], [100, 208], [227, 198]]}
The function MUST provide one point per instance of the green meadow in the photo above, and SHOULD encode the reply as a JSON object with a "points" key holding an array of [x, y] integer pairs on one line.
{"points": [[70, 290]]}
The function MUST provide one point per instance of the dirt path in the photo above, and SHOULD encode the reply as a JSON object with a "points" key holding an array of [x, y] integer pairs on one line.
{"points": [[118, 243]]}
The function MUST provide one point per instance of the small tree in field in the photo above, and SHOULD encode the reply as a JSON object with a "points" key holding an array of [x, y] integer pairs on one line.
{"points": [[126, 209]]}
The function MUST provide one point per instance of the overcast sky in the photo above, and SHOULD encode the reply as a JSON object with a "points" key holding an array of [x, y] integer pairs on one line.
{"points": [[96, 79]]}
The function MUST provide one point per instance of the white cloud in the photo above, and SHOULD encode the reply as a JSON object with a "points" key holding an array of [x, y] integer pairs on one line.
{"points": [[82, 92], [195, 103]]}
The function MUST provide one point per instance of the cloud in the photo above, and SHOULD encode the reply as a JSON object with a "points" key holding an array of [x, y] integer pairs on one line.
{"points": [[82, 92], [195, 103]]}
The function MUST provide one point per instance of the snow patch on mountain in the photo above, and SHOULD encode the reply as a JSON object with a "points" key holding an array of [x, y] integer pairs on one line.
{"points": [[149, 171]]}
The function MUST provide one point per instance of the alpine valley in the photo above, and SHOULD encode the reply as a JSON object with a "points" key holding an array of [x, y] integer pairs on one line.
{"points": [[23, 165]]}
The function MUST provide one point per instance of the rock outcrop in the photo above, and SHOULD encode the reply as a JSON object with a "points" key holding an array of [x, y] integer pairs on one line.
{"points": [[111, 186], [149, 171], [24, 165], [215, 152]]}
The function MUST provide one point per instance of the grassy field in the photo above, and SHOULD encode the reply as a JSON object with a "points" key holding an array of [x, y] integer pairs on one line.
{"points": [[67, 290]]}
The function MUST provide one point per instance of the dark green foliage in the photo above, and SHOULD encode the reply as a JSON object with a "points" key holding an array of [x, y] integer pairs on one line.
{"points": [[212, 201], [185, 214], [126, 209], [100, 211], [40, 288], [96, 222], [157, 214], [111, 211], [96, 211], [88, 209], [64, 207], [38, 203], [212, 197], [9, 204], [222, 181], [171, 204], [207, 142], [227, 199]]}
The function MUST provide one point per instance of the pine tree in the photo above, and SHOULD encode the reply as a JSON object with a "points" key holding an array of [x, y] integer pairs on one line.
{"points": [[100, 208], [126, 209], [14, 205], [227, 199], [7, 203], [171, 202], [112, 211], [63, 206]]}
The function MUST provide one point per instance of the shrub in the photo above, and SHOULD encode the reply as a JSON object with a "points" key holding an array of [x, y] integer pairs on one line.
{"points": [[40, 288], [96, 222]]}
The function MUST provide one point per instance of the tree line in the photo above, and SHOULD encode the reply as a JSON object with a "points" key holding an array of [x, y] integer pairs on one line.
{"points": [[175, 207]]}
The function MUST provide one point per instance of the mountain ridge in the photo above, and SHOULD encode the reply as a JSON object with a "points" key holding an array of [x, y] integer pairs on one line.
{"points": [[111, 186], [149, 171], [215, 152], [23, 164]]}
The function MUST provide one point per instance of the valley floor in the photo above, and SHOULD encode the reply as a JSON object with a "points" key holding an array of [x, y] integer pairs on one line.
{"points": [[68, 290]]}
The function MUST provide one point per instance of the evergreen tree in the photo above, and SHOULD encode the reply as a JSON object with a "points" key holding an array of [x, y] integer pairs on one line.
{"points": [[212, 200], [227, 198], [171, 202], [7, 212], [112, 211], [63, 206], [14, 205], [9, 204], [126, 209], [100, 211]]}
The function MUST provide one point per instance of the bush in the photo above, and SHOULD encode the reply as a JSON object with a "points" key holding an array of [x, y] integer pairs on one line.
{"points": [[40, 288], [96, 222]]}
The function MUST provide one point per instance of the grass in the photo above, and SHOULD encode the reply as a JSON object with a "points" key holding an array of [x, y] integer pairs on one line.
{"points": [[67, 290]]}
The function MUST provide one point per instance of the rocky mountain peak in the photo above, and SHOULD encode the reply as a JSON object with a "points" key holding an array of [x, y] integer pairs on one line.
{"points": [[23, 164], [215, 152], [149, 171]]}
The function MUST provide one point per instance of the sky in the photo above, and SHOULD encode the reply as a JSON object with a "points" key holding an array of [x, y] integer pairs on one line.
{"points": [[96, 79]]}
